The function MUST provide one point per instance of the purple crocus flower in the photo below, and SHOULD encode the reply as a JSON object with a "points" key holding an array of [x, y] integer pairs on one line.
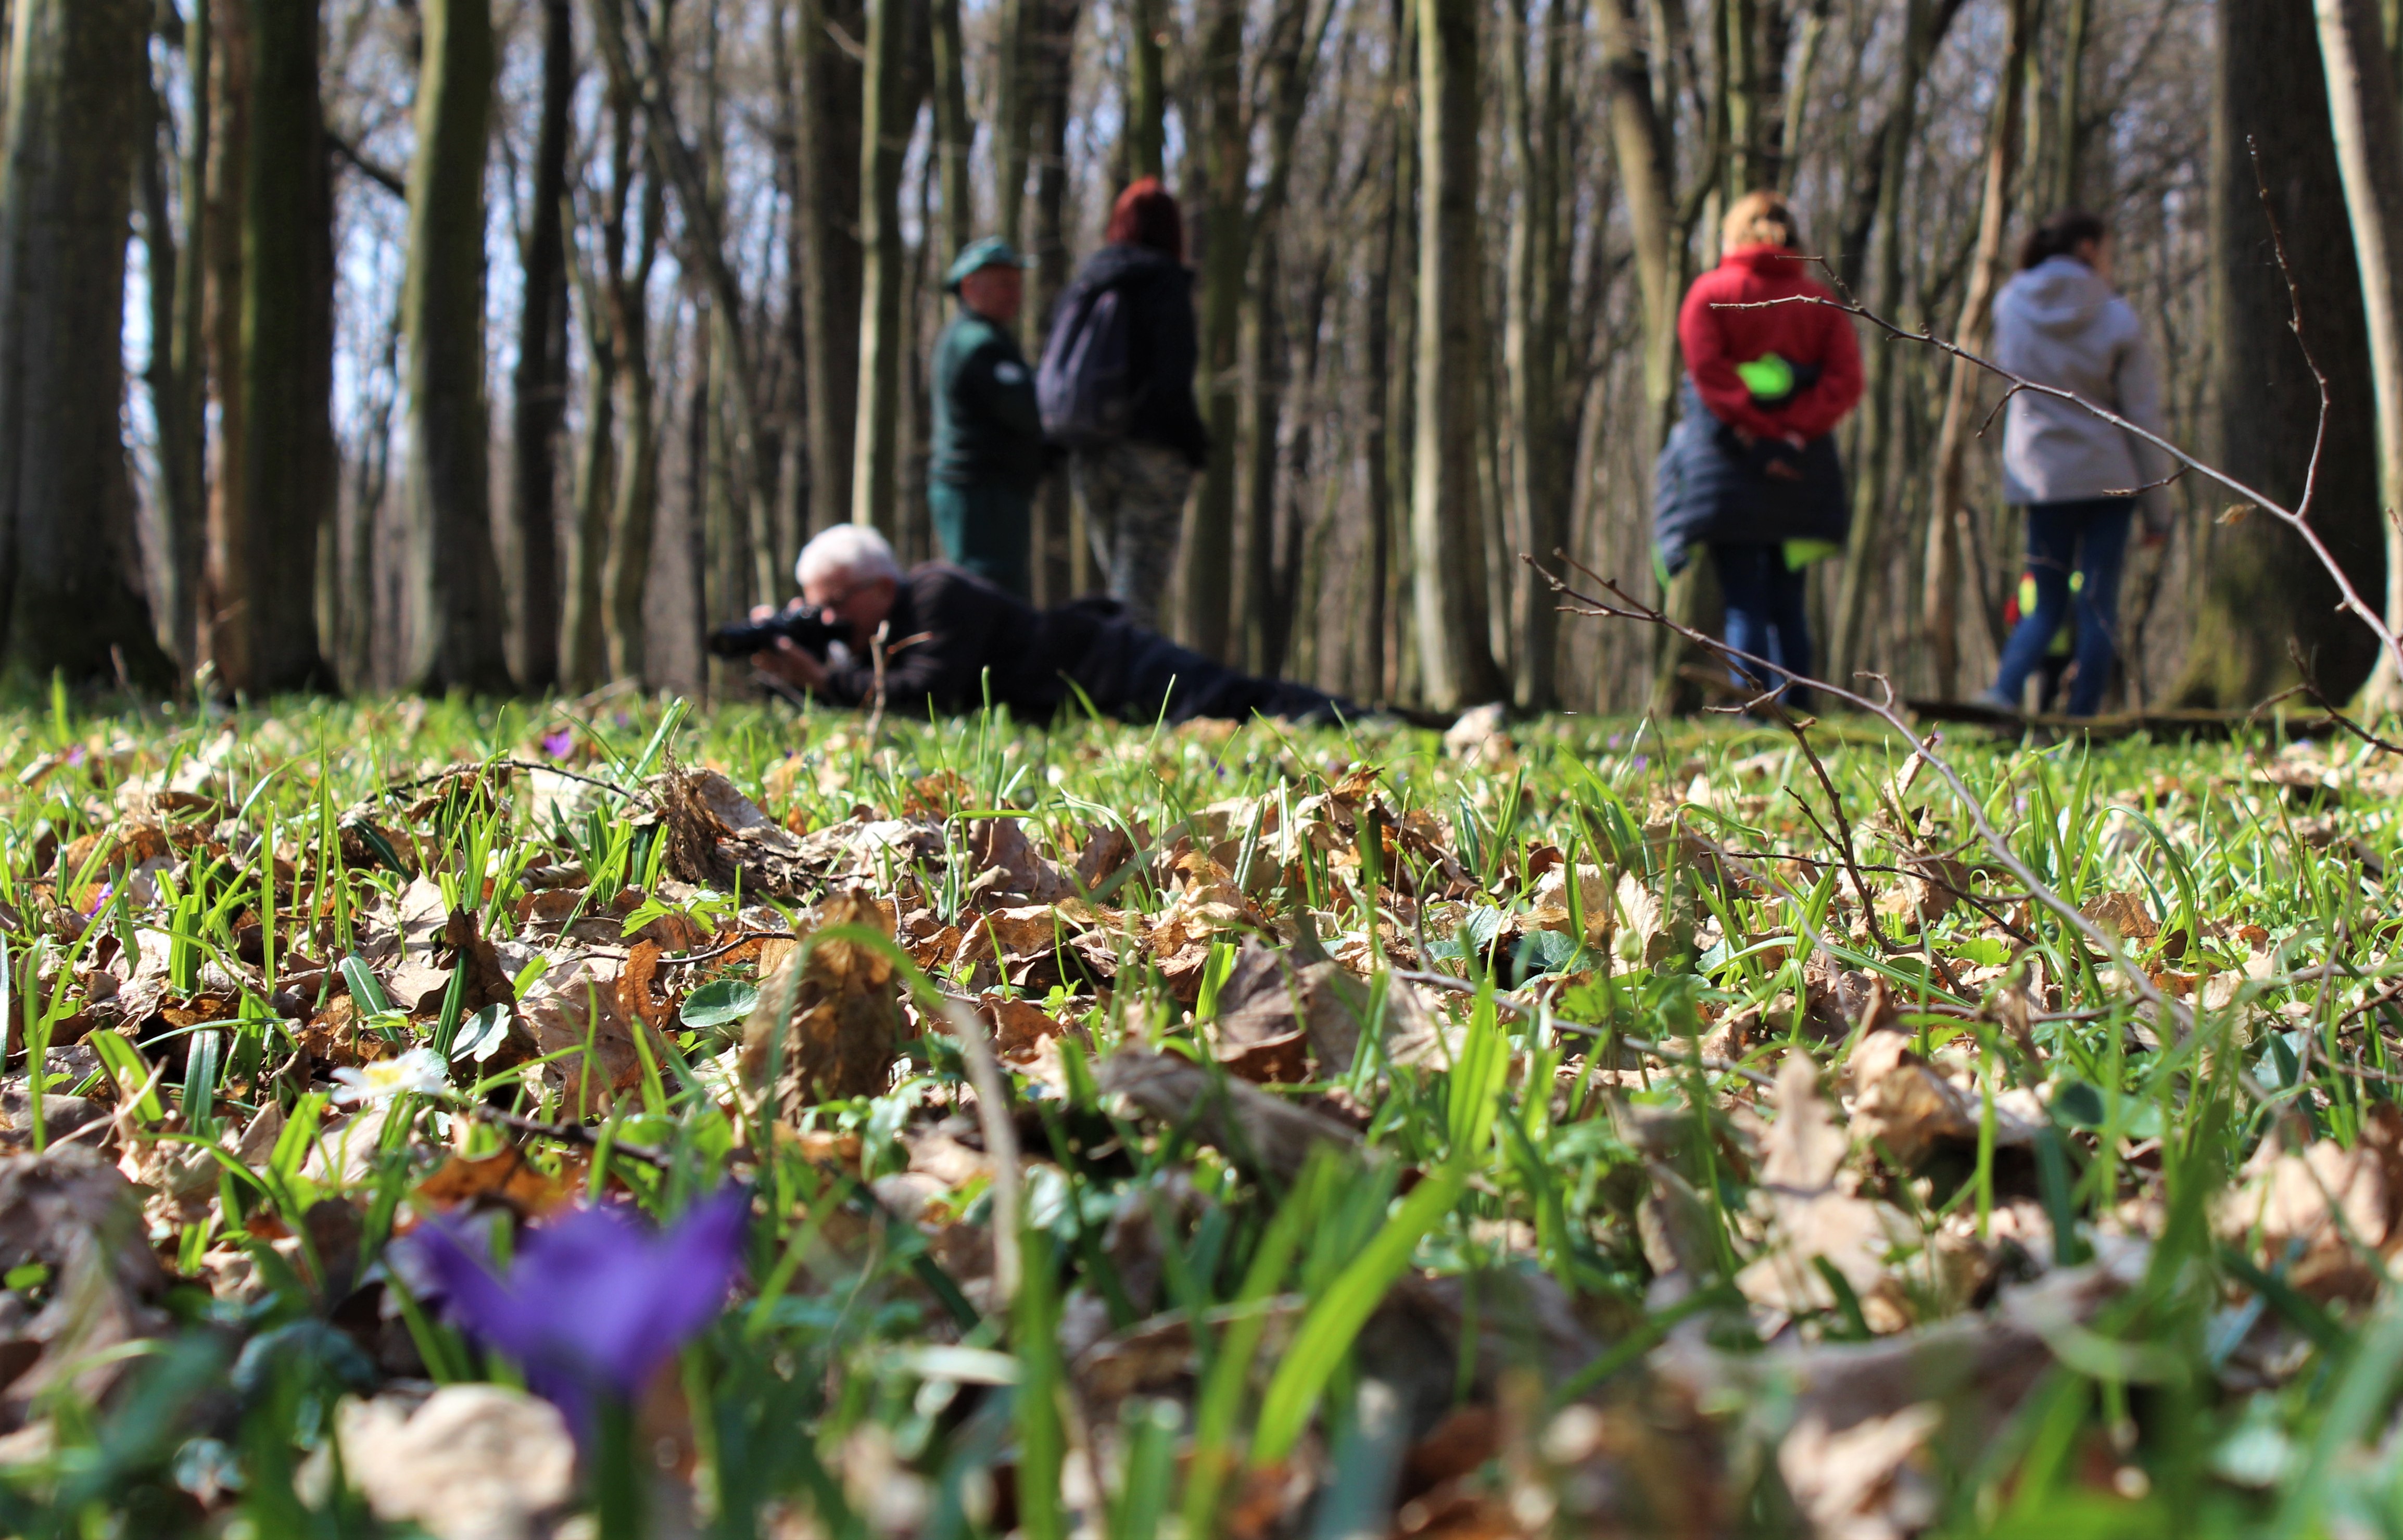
{"points": [[99, 895], [596, 1302], [557, 742]]}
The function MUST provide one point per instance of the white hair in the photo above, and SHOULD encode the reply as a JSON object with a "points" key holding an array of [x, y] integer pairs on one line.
{"points": [[853, 548]]}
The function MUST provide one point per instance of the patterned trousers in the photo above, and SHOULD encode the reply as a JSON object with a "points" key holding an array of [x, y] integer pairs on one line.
{"points": [[1134, 507]]}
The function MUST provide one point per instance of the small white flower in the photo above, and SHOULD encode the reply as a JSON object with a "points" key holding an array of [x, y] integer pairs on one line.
{"points": [[419, 1070]]}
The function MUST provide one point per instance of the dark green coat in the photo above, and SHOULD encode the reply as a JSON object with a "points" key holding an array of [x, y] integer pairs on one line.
{"points": [[987, 431]]}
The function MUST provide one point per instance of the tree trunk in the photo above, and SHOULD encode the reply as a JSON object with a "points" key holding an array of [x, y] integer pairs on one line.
{"points": [[229, 176], [2069, 134], [2370, 155], [1011, 124], [1940, 613], [1209, 554], [1864, 554], [1532, 337], [626, 575], [600, 285], [540, 384], [1456, 663], [164, 272], [1050, 59], [2263, 590], [954, 131], [1370, 679], [457, 638], [67, 604], [828, 253], [1147, 109], [265, 638], [1640, 144], [186, 500], [888, 108]]}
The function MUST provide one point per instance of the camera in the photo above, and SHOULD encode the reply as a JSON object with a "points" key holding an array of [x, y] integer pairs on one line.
{"points": [[745, 637]]}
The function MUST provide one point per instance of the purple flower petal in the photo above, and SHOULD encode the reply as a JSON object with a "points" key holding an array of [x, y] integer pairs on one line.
{"points": [[595, 1303], [557, 743]]}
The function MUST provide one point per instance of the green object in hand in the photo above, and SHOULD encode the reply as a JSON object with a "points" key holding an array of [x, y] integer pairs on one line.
{"points": [[1802, 553], [1769, 376]]}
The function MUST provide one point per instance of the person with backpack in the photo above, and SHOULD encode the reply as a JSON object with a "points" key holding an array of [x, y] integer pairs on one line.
{"points": [[987, 450], [1115, 386], [2059, 322], [1750, 471]]}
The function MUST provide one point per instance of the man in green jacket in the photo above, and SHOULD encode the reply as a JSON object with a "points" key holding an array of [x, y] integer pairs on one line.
{"points": [[988, 450]]}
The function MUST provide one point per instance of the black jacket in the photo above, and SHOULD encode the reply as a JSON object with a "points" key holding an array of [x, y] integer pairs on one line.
{"points": [[1710, 489], [949, 630], [1167, 342]]}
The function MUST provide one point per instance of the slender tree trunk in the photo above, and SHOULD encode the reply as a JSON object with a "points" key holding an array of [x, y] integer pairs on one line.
{"points": [[828, 253], [76, 73], [267, 641], [601, 285], [888, 109], [228, 177], [1369, 680], [1640, 143], [1261, 366], [1531, 342], [1209, 554], [1011, 119], [1396, 639], [1147, 109], [1941, 598], [1864, 551], [1798, 93], [626, 575], [2069, 131], [1456, 664], [165, 271], [954, 131], [2368, 131], [1049, 58], [456, 601], [540, 384], [186, 499]]}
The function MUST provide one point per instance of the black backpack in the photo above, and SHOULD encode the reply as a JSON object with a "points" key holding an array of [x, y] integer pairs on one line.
{"points": [[1084, 385]]}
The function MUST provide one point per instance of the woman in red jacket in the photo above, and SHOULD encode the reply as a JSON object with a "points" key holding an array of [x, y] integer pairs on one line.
{"points": [[1751, 469]]}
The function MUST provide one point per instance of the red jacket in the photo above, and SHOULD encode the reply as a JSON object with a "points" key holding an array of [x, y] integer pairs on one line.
{"points": [[1717, 340]]}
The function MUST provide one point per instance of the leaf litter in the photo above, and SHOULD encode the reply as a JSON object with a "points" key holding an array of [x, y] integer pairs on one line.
{"points": [[1537, 1131]]}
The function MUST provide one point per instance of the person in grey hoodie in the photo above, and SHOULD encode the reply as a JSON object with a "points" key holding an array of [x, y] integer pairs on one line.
{"points": [[2059, 322]]}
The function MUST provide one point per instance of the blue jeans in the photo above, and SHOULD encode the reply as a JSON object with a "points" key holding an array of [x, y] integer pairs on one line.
{"points": [[1765, 614], [2089, 538]]}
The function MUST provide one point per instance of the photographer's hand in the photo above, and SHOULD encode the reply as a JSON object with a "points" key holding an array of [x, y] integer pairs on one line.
{"points": [[790, 664]]}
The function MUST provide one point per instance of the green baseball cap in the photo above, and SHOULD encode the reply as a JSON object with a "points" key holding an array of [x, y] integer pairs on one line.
{"points": [[990, 251]]}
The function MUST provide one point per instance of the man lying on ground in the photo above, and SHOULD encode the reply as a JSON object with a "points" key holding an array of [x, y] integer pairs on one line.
{"points": [[954, 641]]}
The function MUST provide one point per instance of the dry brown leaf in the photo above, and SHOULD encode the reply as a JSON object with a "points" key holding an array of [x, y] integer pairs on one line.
{"points": [[1253, 1129], [505, 1178], [2328, 1212], [70, 1210], [2125, 916], [719, 837], [469, 1462], [829, 1027], [1812, 1218]]}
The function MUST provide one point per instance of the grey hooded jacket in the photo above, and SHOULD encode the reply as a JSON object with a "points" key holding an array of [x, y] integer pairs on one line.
{"points": [[2060, 324]]}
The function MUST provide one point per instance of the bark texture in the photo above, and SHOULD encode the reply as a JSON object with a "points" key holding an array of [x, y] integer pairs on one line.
{"points": [[77, 74], [455, 600], [540, 382], [2262, 590], [1455, 658]]}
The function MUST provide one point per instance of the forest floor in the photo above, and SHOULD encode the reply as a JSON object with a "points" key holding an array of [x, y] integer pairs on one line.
{"points": [[629, 1121]]}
